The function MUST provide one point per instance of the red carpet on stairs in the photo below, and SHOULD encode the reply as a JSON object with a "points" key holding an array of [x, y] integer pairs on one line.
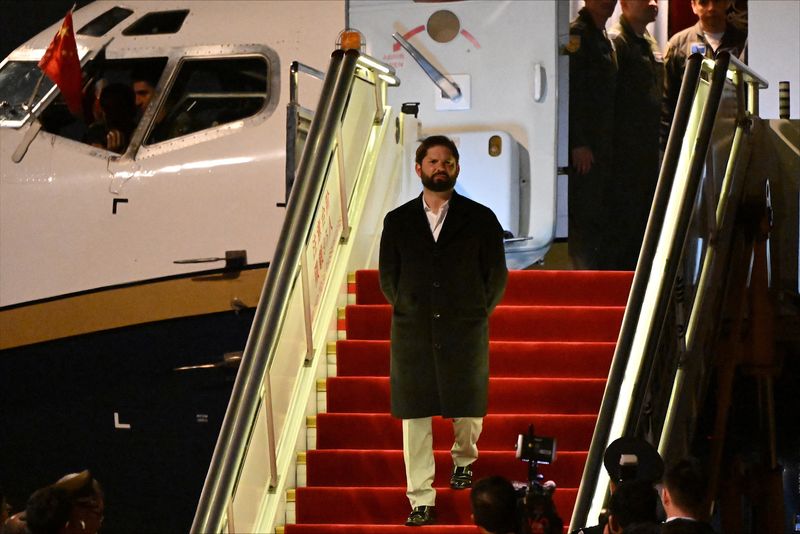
{"points": [[552, 339]]}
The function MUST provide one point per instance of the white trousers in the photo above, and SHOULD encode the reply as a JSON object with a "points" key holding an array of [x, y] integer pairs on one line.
{"points": [[418, 454]]}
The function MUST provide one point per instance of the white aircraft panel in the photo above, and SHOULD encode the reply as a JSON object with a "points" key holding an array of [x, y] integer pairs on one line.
{"points": [[505, 48]]}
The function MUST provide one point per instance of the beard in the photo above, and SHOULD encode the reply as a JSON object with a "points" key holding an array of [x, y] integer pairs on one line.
{"points": [[440, 182]]}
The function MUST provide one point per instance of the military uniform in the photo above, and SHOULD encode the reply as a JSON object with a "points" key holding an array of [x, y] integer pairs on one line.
{"points": [[636, 147], [592, 85], [679, 48], [648, 466]]}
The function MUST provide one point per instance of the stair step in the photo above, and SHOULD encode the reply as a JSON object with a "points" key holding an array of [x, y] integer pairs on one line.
{"points": [[382, 506], [554, 288], [375, 529], [508, 323], [355, 394], [382, 431], [544, 359], [552, 340], [386, 468]]}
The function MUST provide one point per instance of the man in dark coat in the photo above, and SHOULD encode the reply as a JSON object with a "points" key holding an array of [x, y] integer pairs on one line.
{"points": [[683, 497], [592, 86], [636, 127], [442, 267]]}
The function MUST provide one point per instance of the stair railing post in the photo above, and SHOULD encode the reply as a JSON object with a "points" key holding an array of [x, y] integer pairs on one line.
{"points": [[229, 524], [379, 112], [343, 201], [308, 326], [266, 405]]}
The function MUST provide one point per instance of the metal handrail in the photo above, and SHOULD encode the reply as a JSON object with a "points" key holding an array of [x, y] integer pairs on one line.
{"points": [[251, 381], [749, 75], [295, 68], [594, 459], [293, 114], [633, 315]]}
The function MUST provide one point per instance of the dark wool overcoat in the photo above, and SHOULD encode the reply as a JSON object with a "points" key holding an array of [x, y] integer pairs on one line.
{"points": [[442, 293]]}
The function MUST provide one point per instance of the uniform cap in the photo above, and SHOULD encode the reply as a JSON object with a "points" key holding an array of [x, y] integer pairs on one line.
{"points": [[636, 451]]}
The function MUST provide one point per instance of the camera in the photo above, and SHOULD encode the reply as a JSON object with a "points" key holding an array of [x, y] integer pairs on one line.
{"points": [[535, 499], [539, 449]]}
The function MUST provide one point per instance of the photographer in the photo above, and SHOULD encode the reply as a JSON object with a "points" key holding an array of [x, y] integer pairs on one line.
{"points": [[540, 515], [499, 508], [633, 508], [494, 506]]}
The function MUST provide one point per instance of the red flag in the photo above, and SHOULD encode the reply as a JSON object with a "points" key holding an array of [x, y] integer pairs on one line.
{"points": [[61, 64]]}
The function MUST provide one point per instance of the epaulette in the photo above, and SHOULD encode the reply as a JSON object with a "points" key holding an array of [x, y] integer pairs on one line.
{"points": [[574, 44]]}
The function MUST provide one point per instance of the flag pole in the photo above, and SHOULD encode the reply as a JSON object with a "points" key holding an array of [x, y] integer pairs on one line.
{"points": [[29, 103]]}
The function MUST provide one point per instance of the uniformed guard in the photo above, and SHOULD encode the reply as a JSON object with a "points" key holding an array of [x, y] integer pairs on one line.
{"points": [[592, 83], [627, 459], [636, 129]]}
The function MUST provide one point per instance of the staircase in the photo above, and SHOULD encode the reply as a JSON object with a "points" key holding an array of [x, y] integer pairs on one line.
{"points": [[552, 340]]}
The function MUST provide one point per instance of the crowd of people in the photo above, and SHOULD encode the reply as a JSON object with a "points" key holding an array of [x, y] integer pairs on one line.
{"points": [[74, 504], [623, 94], [646, 498]]}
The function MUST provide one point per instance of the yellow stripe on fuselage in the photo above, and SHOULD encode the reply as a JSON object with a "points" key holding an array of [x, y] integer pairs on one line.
{"points": [[117, 307]]}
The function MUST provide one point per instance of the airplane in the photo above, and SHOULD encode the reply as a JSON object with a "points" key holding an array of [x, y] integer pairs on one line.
{"points": [[135, 275], [142, 214]]}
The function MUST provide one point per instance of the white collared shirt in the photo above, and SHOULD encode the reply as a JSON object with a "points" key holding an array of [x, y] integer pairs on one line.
{"points": [[435, 220]]}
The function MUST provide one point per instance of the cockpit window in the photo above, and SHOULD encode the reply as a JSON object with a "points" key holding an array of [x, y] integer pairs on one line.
{"points": [[17, 82], [111, 103], [101, 24], [209, 93], [158, 22]]}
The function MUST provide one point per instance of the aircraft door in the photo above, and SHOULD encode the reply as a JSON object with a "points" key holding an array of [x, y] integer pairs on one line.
{"points": [[503, 57]]}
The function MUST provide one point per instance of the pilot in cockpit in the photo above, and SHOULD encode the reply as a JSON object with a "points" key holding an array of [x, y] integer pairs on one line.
{"points": [[144, 83]]}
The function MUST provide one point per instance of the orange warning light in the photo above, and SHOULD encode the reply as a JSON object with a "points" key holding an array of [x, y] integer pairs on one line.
{"points": [[351, 39]]}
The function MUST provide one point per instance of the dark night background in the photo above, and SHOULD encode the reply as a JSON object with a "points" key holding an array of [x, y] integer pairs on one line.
{"points": [[22, 19]]}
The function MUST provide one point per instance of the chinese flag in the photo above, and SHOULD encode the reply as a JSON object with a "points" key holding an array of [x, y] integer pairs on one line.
{"points": [[61, 64]]}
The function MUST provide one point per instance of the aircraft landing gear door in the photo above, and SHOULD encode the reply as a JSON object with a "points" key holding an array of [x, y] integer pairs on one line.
{"points": [[503, 57], [207, 174]]}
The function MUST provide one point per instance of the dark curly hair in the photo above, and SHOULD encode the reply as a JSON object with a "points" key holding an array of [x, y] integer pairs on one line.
{"points": [[435, 140]]}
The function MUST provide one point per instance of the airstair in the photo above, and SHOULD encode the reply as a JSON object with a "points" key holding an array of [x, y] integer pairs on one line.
{"points": [[307, 444]]}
